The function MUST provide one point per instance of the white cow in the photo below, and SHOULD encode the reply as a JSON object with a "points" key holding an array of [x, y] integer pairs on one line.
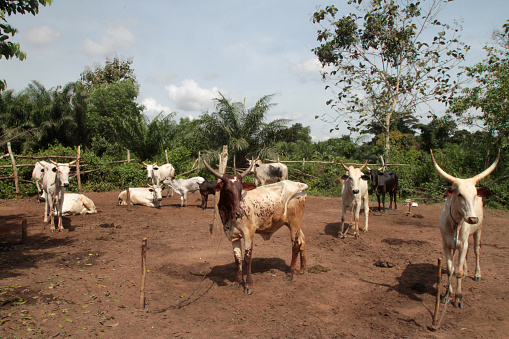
{"points": [[37, 175], [462, 216], [54, 182], [77, 204], [146, 196], [354, 192], [157, 174], [183, 186], [267, 173]]}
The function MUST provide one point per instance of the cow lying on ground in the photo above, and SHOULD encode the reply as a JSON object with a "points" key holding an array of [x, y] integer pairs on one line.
{"points": [[38, 175], [184, 186], [462, 216], [54, 182], [267, 173], [77, 204], [384, 182], [146, 196], [157, 174], [263, 210], [354, 192], [206, 188]]}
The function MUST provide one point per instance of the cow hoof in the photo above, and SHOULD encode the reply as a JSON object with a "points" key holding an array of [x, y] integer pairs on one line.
{"points": [[289, 277], [249, 291], [477, 279]]}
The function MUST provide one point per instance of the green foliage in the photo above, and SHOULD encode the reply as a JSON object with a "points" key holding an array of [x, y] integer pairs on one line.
{"points": [[384, 87]]}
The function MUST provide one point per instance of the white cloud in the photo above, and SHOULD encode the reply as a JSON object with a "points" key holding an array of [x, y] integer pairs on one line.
{"points": [[191, 97], [152, 108], [308, 70], [42, 35], [115, 37]]}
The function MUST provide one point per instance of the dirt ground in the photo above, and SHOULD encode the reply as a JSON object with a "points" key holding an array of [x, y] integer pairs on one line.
{"points": [[85, 282]]}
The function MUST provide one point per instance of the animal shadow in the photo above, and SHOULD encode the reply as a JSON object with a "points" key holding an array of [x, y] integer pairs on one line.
{"points": [[417, 279], [222, 275]]}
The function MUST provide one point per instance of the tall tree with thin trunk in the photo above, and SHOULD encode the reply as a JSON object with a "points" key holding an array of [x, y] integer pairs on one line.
{"points": [[385, 60]]}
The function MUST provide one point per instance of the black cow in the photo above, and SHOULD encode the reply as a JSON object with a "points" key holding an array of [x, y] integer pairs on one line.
{"points": [[386, 182], [206, 188]]}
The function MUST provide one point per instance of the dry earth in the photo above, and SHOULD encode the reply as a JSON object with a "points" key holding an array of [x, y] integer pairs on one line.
{"points": [[86, 282]]}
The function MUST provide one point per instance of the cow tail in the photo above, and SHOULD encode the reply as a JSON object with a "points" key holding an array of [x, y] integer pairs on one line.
{"points": [[300, 189]]}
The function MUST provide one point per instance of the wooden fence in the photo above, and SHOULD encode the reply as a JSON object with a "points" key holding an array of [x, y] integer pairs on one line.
{"points": [[15, 167]]}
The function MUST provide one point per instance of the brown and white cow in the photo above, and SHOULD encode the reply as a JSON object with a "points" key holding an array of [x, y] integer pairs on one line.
{"points": [[245, 211], [462, 216], [354, 193]]}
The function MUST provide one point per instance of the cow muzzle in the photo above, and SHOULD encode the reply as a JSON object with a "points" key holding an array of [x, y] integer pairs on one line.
{"points": [[238, 214], [66, 184], [355, 191]]}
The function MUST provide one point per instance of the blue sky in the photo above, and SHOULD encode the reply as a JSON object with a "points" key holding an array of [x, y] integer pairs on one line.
{"points": [[185, 51]]}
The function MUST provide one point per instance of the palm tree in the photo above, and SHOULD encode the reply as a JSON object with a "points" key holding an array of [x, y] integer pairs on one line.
{"points": [[243, 130]]}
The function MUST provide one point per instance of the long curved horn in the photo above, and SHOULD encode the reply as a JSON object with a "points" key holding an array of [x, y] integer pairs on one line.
{"points": [[344, 166], [144, 163], [440, 171], [246, 172], [54, 163], [365, 164], [488, 170], [211, 170], [72, 162]]}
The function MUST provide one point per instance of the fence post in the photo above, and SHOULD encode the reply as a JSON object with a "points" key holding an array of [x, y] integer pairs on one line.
{"points": [[128, 156], [217, 224], [143, 272], [14, 168], [78, 176]]}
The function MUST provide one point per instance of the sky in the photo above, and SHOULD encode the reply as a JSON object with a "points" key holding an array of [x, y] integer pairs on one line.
{"points": [[185, 52]]}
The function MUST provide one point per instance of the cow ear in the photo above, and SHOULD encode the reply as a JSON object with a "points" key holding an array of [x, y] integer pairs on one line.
{"points": [[449, 191], [340, 180], [365, 177], [248, 186], [219, 186], [483, 192]]}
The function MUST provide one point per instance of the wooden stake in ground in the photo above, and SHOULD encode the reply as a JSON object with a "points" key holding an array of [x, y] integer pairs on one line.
{"points": [[14, 168], [437, 303], [78, 175], [143, 271], [217, 228]]}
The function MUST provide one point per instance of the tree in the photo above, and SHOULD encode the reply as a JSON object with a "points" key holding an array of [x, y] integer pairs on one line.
{"points": [[9, 49], [242, 129], [381, 67], [486, 104]]}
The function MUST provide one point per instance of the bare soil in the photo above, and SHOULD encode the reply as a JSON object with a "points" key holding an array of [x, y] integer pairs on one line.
{"points": [[85, 282]]}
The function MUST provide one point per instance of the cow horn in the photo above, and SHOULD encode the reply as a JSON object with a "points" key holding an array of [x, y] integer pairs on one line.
{"points": [[488, 170], [144, 163], [246, 172], [344, 166], [368, 168], [54, 163], [214, 172], [155, 164], [365, 164], [72, 162], [440, 171]]}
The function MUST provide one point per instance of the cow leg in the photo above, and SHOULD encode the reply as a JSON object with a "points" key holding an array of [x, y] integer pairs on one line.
{"points": [[366, 212], [378, 198], [302, 240], [60, 204], [392, 196], [477, 251], [341, 232], [237, 253], [383, 201], [458, 298], [450, 273], [248, 258], [298, 247]]}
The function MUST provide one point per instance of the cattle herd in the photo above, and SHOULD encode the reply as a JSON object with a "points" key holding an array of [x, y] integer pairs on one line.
{"points": [[273, 201]]}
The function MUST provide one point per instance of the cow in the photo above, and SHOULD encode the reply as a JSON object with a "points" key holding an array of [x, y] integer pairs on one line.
{"points": [[184, 186], [146, 196], [246, 210], [54, 183], [462, 216], [206, 188], [354, 192], [37, 175], [267, 173], [77, 204], [157, 174], [384, 182]]}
